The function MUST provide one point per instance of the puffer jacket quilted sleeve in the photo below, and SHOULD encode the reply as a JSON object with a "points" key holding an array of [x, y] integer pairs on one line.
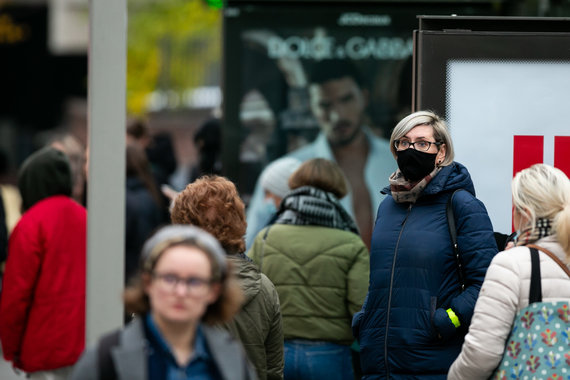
{"points": [[503, 294]]}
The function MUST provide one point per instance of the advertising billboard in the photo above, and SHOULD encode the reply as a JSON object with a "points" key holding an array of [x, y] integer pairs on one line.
{"points": [[271, 50], [501, 87], [319, 79]]}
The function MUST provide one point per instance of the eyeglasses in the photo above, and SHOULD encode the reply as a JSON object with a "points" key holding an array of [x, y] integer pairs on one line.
{"points": [[193, 285], [420, 145]]}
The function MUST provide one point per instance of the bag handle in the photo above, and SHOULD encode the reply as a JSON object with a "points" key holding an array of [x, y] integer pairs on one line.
{"points": [[553, 257], [453, 235], [535, 293]]}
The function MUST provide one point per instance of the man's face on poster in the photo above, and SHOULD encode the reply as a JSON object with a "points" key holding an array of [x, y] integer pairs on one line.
{"points": [[338, 105]]}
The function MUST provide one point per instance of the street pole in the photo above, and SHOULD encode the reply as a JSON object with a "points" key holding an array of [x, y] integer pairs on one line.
{"points": [[106, 182]]}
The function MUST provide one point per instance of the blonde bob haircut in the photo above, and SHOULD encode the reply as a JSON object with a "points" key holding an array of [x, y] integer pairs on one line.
{"points": [[322, 174], [440, 132], [543, 191]]}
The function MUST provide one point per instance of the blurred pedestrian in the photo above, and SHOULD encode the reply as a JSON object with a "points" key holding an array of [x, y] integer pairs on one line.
{"points": [[10, 208], [75, 153], [319, 265], [143, 206], [208, 143], [213, 203], [541, 216], [10, 193], [138, 132], [42, 310], [161, 155], [184, 288], [421, 295], [275, 183]]}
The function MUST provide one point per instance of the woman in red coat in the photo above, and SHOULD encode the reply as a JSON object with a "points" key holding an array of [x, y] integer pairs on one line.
{"points": [[42, 309]]}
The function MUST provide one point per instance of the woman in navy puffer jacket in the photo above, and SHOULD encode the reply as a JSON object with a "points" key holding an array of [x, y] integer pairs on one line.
{"points": [[416, 314]]}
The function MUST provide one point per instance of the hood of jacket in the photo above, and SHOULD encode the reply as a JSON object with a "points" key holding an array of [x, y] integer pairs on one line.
{"points": [[452, 177], [44, 174], [247, 274]]}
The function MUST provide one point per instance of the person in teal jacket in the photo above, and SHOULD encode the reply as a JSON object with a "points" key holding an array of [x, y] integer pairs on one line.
{"points": [[420, 301]]}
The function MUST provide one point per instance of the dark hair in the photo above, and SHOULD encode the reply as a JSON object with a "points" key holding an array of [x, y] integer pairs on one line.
{"points": [[43, 174], [322, 174], [209, 134], [137, 128], [138, 166], [161, 153], [331, 69]]}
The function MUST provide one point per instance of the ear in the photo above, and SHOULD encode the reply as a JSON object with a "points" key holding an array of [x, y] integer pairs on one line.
{"points": [[441, 154], [214, 294]]}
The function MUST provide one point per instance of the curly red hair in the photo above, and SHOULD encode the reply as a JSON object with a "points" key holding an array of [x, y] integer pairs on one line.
{"points": [[213, 203]]}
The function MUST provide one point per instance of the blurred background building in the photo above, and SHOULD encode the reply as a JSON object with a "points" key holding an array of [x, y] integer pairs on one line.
{"points": [[174, 60], [176, 66]]}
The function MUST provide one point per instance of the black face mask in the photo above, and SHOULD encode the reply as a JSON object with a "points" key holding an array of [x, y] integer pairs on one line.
{"points": [[414, 164]]}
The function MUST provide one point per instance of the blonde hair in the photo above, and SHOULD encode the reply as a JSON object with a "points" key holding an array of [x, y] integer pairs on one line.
{"points": [[543, 191], [440, 132]]}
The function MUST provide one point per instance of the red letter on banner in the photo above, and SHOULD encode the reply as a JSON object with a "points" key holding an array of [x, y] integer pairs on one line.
{"points": [[562, 153], [527, 151]]}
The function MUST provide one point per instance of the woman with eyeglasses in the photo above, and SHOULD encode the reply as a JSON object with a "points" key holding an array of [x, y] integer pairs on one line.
{"points": [[421, 294], [184, 289]]}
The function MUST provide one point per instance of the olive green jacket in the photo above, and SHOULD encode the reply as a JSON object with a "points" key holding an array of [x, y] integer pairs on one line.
{"points": [[258, 324], [321, 275]]}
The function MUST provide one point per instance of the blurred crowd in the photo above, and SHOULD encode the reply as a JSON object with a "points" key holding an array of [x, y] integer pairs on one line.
{"points": [[428, 291]]}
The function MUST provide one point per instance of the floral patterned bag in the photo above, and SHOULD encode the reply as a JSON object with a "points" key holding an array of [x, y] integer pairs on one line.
{"points": [[539, 344]]}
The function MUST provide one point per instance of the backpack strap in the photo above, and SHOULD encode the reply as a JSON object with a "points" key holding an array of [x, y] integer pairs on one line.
{"points": [[535, 293], [104, 360], [552, 256], [453, 235]]}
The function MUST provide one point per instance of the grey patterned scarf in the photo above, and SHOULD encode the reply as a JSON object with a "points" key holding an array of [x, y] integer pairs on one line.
{"points": [[311, 206]]}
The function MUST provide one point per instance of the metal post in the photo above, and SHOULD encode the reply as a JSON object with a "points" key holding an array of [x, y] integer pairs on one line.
{"points": [[106, 183]]}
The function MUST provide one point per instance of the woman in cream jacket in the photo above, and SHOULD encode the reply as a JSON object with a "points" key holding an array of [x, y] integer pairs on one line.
{"points": [[541, 214]]}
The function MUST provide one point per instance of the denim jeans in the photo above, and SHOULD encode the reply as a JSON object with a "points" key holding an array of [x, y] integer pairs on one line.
{"points": [[314, 360]]}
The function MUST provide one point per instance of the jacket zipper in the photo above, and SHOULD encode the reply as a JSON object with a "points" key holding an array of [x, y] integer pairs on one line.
{"points": [[390, 293]]}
